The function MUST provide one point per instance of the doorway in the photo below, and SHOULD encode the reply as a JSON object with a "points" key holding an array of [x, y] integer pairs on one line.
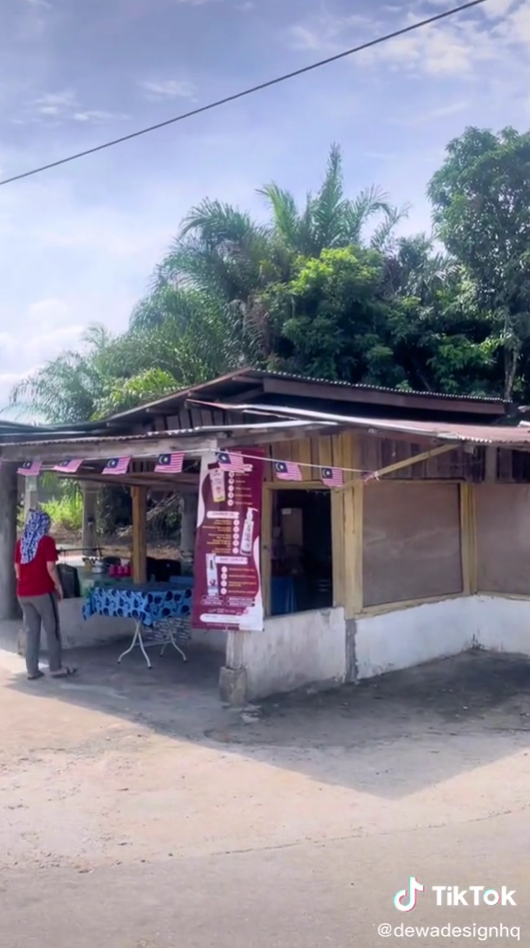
{"points": [[301, 551]]}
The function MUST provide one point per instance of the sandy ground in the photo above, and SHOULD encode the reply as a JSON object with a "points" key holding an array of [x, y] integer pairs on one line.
{"points": [[137, 811]]}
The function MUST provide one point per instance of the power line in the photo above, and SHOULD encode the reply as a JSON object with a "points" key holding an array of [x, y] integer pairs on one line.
{"points": [[245, 92]]}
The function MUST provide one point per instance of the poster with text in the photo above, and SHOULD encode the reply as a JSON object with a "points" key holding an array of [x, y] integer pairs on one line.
{"points": [[227, 591]]}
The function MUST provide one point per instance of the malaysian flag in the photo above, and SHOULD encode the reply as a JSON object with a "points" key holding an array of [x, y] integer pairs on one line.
{"points": [[332, 476], [287, 471], [30, 468], [169, 463], [117, 466], [228, 461], [68, 466]]}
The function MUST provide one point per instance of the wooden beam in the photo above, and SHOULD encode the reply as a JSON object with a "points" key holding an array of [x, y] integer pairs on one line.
{"points": [[407, 462], [139, 534], [367, 396], [156, 482]]}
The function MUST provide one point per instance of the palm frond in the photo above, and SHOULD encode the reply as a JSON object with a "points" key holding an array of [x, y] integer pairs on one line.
{"points": [[285, 219]]}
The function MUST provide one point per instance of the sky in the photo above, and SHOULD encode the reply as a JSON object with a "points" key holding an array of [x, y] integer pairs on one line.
{"points": [[78, 243]]}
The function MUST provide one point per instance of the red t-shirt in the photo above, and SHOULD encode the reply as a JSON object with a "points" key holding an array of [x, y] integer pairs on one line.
{"points": [[34, 578]]}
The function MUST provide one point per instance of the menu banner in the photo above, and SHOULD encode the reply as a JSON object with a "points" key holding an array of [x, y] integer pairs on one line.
{"points": [[227, 591]]}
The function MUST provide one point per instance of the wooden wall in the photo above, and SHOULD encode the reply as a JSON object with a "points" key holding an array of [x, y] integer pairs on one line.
{"points": [[323, 451], [364, 452], [371, 453]]}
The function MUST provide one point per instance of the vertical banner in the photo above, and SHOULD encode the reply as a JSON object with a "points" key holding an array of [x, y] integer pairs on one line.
{"points": [[227, 590]]}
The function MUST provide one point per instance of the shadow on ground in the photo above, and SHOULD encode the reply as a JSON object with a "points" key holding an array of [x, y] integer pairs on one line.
{"points": [[389, 736]]}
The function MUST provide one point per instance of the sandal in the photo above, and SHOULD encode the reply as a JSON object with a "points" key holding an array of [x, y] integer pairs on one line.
{"points": [[64, 672], [38, 674]]}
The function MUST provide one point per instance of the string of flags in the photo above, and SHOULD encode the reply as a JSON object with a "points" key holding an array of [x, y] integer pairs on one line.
{"points": [[235, 461]]}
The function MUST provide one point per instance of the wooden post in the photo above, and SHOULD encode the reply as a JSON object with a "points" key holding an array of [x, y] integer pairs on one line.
{"points": [[31, 495], [9, 608], [139, 534], [338, 547], [491, 461], [266, 547], [89, 535], [468, 539], [188, 523], [353, 533]]}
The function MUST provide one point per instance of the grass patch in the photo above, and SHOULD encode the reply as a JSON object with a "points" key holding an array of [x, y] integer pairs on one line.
{"points": [[66, 513]]}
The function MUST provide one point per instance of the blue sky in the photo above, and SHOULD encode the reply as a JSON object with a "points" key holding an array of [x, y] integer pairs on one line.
{"points": [[78, 243]]}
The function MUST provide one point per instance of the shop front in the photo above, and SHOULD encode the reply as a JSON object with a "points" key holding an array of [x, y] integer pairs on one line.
{"points": [[326, 549]]}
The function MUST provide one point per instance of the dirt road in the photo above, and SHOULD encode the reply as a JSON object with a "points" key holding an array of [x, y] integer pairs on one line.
{"points": [[138, 813]]}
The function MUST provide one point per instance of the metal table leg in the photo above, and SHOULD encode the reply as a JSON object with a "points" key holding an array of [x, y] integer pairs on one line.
{"points": [[137, 640]]}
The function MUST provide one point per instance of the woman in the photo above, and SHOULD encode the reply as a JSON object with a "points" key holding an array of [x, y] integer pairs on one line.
{"points": [[38, 590]]}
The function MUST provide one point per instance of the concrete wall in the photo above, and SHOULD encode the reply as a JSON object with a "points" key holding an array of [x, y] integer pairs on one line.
{"points": [[409, 637], [503, 624], [98, 630], [313, 646], [292, 651]]}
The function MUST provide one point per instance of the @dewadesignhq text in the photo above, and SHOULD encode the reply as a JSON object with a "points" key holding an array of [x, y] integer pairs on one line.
{"points": [[481, 933]]}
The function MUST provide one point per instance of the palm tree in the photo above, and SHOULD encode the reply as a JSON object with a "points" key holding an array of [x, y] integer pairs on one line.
{"points": [[66, 388], [329, 219], [222, 251], [207, 309]]}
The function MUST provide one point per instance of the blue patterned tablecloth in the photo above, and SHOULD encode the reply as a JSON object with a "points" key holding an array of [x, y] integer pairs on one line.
{"points": [[147, 604]]}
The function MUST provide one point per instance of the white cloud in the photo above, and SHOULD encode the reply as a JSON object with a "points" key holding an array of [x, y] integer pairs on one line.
{"points": [[97, 115], [54, 103], [459, 46], [60, 107], [325, 32], [168, 88]]}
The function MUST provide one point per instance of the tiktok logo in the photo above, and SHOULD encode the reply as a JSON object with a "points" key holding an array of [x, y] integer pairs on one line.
{"points": [[405, 900]]}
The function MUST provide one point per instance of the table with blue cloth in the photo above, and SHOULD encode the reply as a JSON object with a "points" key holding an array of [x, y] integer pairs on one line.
{"points": [[161, 611]]}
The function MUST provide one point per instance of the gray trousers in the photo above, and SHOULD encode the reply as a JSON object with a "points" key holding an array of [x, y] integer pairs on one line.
{"points": [[37, 611]]}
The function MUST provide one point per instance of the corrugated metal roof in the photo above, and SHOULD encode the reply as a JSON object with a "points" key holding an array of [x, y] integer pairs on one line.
{"points": [[310, 421], [250, 429], [441, 431], [262, 373], [258, 374]]}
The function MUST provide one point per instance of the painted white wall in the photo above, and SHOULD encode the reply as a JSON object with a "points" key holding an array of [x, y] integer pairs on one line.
{"points": [[292, 651], [409, 637], [504, 624], [98, 630]]}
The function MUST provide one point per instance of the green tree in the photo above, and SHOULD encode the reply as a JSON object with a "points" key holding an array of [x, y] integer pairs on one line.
{"points": [[331, 320], [481, 201]]}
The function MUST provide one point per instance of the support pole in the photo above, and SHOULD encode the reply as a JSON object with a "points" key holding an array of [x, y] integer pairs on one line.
{"points": [[9, 608], [90, 497], [188, 523], [31, 495], [139, 534]]}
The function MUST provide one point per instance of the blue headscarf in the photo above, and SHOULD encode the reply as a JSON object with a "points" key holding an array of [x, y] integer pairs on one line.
{"points": [[37, 526]]}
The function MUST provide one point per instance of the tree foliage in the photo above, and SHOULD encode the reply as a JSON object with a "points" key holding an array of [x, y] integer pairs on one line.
{"points": [[481, 205], [328, 289]]}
